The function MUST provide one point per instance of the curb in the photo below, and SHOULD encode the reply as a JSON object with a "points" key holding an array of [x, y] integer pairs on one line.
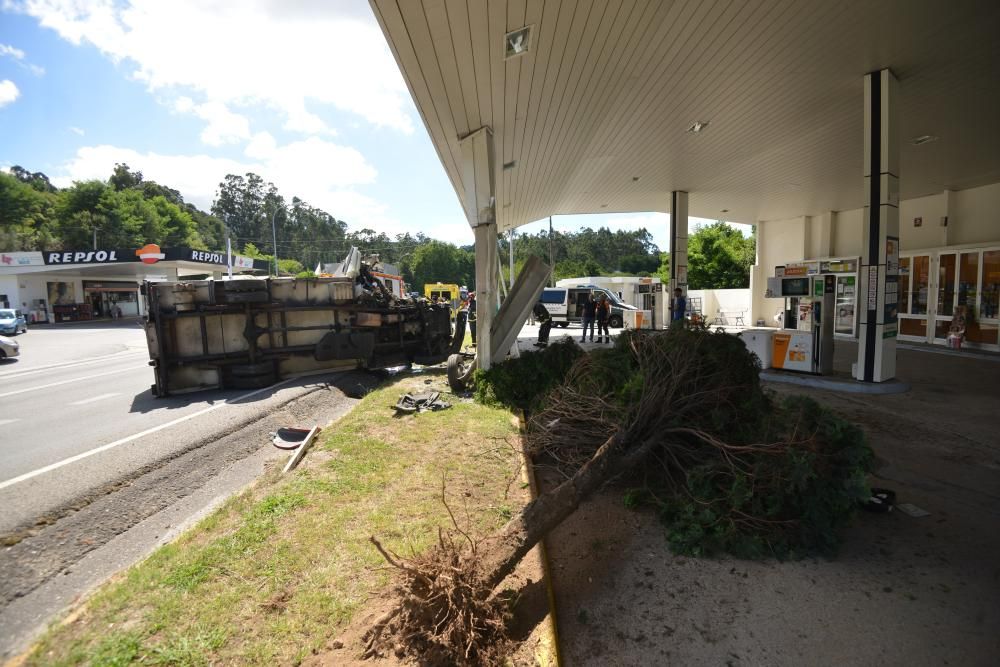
{"points": [[528, 475]]}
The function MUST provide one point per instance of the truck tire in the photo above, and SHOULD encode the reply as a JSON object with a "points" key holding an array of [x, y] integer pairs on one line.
{"points": [[615, 322], [250, 376], [459, 372]]}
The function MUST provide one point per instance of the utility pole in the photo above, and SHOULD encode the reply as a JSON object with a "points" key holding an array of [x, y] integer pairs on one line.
{"points": [[512, 259], [552, 263], [274, 239]]}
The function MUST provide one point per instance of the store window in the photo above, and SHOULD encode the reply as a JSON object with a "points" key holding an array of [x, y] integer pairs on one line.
{"points": [[920, 283], [968, 280], [946, 286], [990, 285], [904, 285]]}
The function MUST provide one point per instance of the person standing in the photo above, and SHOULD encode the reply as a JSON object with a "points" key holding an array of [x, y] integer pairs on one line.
{"points": [[541, 314], [472, 316], [678, 307], [603, 313], [589, 314]]}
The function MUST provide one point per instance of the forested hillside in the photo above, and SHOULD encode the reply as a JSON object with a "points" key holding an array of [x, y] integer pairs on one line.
{"points": [[127, 211]]}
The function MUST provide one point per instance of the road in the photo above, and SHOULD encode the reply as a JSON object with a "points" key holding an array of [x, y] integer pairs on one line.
{"points": [[95, 472]]}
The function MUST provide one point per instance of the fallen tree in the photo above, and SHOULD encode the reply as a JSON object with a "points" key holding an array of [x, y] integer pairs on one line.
{"points": [[740, 472]]}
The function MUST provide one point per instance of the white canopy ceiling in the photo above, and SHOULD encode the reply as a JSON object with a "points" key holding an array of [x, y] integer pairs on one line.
{"points": [[593, 117]]}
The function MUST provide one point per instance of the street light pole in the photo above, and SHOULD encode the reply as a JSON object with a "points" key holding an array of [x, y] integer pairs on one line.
{"points": [[274, 240]]}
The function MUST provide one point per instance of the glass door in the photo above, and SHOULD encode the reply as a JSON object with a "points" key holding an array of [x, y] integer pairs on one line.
{"points": [[944, 308], [914, 290], [846, 298]]}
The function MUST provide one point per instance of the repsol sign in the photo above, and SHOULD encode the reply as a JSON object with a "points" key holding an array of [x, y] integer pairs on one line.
{"points": [[83, 257], [208, 257]]}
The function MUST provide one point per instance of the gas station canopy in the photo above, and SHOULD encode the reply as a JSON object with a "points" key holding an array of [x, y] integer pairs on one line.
{"points": [[753, 108]]}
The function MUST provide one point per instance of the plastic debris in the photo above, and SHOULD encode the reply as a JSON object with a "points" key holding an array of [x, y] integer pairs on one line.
{"points": [[428, 400]]}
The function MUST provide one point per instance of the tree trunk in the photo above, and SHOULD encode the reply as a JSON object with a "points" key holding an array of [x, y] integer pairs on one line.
{"points": [[550, 509]]}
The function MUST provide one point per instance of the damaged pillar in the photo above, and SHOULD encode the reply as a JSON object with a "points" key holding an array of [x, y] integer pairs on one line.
{"points": [[478, 181], [879, 271]]}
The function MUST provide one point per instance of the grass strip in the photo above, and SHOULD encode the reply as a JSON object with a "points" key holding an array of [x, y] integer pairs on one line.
{"points": [[275, 572]]}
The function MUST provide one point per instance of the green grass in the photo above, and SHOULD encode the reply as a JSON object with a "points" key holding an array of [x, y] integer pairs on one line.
{"points": [[279, 569]]}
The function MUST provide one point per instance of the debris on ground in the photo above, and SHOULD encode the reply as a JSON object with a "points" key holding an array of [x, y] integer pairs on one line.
{"points": [[422, 402], [301, 450], [289, 437], [909, 509]]}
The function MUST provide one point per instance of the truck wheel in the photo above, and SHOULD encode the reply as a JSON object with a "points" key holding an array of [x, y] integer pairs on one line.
{"points": [[460, 372], [615, 322]]}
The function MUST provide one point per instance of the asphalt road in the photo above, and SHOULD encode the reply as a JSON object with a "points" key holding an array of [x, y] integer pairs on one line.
{"points": [[95, 472]]}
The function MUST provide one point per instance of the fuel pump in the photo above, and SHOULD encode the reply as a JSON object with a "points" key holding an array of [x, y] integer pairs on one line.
{"points": [[805, 342]]}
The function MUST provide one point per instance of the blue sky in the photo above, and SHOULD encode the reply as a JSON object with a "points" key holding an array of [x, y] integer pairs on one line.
{"points": [[303, 92]]}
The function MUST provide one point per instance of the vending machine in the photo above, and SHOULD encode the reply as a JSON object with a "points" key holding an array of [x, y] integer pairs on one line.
{"points": [[805, 342]]}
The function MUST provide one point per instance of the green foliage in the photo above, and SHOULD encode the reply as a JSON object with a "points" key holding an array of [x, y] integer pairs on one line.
{"points": [[784, 505], [436, 261], [520, 383], [782, 480], [719, 257]]}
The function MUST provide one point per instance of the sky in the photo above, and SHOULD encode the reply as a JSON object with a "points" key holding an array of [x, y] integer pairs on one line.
{"points": [[304, 93]]}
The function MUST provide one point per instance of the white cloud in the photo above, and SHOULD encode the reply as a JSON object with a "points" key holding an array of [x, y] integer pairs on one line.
{"points": [[8, 50], [224, 126], [320, 172], [77, 130], [19, 55], [272, 52], [8, 92]]}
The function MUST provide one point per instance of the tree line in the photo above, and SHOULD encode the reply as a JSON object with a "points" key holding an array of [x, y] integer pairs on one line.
{"points": [[128, 210]]}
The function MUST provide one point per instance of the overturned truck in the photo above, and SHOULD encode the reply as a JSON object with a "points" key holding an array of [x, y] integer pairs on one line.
{"points": [[251, 332]]}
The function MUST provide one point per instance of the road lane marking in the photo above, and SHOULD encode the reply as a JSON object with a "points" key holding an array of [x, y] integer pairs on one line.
{"points": [[4, 422], [124, 356], [79, 379], [95, 398], [111, 445]]}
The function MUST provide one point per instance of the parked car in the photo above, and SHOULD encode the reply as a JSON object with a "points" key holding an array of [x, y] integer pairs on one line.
{"points": [[565, 304], [8, 348], [12, 321]]}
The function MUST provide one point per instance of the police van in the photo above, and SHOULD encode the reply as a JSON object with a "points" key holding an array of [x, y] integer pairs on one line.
{"points": [[565, 304]]}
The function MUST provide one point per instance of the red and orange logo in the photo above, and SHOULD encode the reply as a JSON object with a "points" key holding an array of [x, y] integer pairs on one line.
{"points": [[150, 253]]}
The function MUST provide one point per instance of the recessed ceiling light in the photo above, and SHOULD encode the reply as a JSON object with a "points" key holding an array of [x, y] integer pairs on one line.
{"points": [[923, 139], [698, 126], [635, 178], [510, 165], [604, 205], [725, 210], [517, 42]]}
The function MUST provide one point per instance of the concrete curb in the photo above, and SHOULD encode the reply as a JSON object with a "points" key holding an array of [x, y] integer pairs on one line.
{"points": [[831, 384]]}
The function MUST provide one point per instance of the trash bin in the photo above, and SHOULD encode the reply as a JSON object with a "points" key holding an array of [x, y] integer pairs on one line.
{"points": [[955, 342]]}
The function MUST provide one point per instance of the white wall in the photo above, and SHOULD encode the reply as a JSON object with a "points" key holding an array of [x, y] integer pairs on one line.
{"points": [[973, 218], [9, 286]]}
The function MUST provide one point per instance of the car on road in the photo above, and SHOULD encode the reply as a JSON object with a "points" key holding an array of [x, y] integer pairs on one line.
{"points": [[8, 348], [12, 321]]}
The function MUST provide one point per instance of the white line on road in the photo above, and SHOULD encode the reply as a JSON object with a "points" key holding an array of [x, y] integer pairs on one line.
{"points": [[4, 422], [136, 436], [95, 398], [79, 379], [125, 356]]}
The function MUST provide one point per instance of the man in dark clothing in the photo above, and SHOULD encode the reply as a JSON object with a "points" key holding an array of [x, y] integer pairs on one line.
{"points": [[472, 316], [679, 306], [542, 315], [589, 314], [603, 313]]}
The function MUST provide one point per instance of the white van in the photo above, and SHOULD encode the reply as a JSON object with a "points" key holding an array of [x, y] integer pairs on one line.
{"points": [[565, 304]]}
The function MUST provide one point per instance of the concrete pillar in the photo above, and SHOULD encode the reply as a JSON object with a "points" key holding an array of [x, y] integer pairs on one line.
{"points": [[486, 290], [949, 215], [480, 208], [824, 230], [678, 242], [879, 270]]}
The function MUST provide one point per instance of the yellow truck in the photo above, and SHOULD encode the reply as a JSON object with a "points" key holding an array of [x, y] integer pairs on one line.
{"points": [[436, 291]]}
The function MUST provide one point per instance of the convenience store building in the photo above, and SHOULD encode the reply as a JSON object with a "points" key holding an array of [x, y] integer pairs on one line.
{"points": [[72, 285]]}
